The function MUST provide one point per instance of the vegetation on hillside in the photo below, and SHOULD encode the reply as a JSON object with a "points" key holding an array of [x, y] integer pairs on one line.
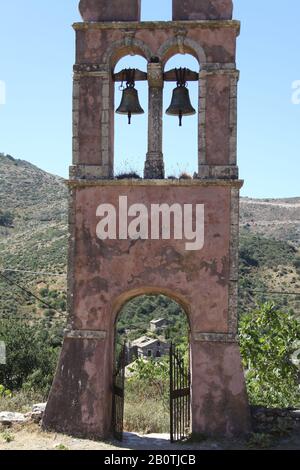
{"points": [[33, 236], [272, 218], [135, 316], [268, 266]]}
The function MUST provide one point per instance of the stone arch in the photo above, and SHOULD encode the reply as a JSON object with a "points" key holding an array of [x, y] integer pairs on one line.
{"points": [[127, 296], [128, 349], [181, 45], [126, 46], [126, 147]]}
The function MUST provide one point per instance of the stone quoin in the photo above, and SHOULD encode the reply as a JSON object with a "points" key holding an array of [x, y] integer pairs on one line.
{"points": [[105, 274]]}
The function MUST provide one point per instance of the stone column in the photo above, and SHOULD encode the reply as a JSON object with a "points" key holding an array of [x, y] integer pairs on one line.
{"points": [[234, 260], [234, 78], [202, 122], [93, 123], [154, 166], [218, 121]]}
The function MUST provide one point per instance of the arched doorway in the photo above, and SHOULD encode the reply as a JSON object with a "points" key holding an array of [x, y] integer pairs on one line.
{"points": [[152, 368]]}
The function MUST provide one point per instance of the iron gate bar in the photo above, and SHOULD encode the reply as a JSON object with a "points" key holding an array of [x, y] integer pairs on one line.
{"points": [[180, 402], [119, 395]]}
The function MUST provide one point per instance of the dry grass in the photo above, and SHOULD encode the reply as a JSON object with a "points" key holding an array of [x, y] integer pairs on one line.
{"points": [[20, 402], [146, 417]]}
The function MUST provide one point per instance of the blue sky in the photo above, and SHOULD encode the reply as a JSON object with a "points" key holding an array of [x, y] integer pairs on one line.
{"points": [[36, 58]]}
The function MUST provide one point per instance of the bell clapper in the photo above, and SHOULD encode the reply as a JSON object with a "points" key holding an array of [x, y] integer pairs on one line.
{"points": [[180, 118]]}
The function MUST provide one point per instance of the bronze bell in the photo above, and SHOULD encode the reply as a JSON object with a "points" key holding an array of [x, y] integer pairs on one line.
{"points": [[130, 104], [181, 103]]}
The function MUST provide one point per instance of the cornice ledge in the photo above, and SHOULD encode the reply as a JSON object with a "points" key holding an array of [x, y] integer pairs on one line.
{"points": [[200, 24]]}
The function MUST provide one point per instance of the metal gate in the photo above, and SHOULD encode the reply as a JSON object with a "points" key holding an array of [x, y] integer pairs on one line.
{"points": [[180, 396], [119, 395]]}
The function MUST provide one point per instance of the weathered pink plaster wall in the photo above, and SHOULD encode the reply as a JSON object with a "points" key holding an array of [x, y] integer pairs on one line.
{"points": [[107, 274], [78, 403], [202, 9], [220, 404], [219, 44], [104, 270], [217, 119], [90, 102], [110, 10]]}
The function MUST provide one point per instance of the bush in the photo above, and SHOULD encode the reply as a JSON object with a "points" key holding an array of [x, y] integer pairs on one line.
{"points": [[296, 264], [31, 358], [6, 219], [44, 292], [7, 436], [150, 380], [4, 393], [128, 175], [260, 441], [269, 339]]}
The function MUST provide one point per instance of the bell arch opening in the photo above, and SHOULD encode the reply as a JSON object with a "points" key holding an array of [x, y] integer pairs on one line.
{"points": [[130, 140], [181, 147], [149, 330]]}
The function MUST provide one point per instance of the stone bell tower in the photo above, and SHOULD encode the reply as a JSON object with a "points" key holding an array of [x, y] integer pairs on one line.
{"points": [[104, 274]]}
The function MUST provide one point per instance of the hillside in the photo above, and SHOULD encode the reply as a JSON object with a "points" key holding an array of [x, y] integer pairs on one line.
{"points": [[33, 216], [273, 218], [33, 237]]}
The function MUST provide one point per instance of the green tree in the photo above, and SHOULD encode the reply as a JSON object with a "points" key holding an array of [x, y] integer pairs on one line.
{"points": [[31, 357], [268, 339]]}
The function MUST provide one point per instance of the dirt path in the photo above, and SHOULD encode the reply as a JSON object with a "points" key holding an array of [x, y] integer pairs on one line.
{"points": [[30, 437]]}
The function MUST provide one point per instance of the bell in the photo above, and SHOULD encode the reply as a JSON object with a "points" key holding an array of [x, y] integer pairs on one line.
{"points": [[130, 104], [181, 103]]}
